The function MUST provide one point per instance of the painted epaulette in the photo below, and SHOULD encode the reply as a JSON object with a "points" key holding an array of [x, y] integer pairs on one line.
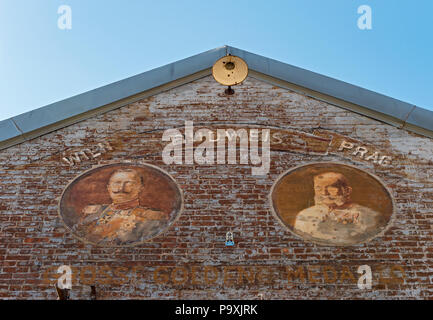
{"points": [[92, 212], [91, 209], [150, 213]]}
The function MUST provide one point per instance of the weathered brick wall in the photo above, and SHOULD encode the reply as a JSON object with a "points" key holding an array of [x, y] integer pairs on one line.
{"points": [[217, 198]]}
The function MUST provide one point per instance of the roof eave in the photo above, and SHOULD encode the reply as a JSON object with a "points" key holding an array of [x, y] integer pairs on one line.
{"points": [[58, 115]]}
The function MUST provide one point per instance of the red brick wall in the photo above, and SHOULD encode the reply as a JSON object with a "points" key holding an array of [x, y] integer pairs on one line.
{"points": [[218, 198]]}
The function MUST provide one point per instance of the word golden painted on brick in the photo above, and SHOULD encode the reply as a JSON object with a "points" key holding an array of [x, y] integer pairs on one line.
{"points": [[220, 276], [120, 204], [332, 203]]}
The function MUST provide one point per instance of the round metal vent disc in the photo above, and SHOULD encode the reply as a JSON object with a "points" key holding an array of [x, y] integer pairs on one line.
{"points": [[230, 70]]}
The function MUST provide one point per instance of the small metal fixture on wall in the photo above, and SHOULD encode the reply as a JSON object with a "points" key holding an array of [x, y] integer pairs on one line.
{"points": [[229, 239], [230, 71]]}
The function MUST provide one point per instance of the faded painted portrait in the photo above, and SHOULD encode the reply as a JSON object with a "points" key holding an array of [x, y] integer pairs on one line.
{"points": [[332, 204], [120, 204]]}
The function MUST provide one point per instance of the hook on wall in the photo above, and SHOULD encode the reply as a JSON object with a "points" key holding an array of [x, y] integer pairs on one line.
{"points": [[229, 239]]}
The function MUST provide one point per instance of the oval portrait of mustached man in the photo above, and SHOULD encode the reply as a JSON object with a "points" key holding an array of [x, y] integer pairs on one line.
{"points": [[332, 203], [120, 204]]}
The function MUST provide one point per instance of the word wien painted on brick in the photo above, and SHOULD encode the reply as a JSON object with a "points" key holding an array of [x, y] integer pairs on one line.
{"points": [[87, 153]]}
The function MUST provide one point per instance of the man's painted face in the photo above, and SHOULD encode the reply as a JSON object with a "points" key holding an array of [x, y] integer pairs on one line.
{"points": [[330, 190], [124, 186]]}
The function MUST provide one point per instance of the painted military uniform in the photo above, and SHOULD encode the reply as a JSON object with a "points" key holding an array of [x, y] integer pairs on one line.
{"points": [[338, 226], [120, 225]]}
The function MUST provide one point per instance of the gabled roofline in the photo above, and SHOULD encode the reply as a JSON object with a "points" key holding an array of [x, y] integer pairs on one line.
{"points": [[60, 114]]}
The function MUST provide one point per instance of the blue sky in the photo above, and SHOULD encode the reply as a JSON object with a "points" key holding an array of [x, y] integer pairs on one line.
{"points": [[112, 40]]}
